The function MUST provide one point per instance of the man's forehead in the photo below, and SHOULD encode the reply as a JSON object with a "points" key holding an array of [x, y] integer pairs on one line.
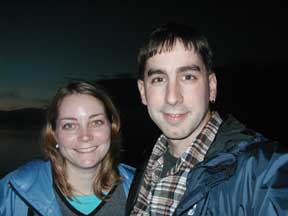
{"points": [[168, 46], [177, 57]]}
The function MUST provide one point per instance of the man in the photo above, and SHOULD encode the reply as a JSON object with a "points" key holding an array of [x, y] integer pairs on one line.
{"points": [[202, 164]]}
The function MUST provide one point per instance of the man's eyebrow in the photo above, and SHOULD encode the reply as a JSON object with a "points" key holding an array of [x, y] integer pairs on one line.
{"points": [[151, 72], [192, 67]]}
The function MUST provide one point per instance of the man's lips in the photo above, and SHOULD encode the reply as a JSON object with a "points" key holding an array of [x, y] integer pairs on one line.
{"points": [[175, 116]]}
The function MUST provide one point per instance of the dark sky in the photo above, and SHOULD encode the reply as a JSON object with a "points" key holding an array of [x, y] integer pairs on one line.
{"points": [[44, 44]]}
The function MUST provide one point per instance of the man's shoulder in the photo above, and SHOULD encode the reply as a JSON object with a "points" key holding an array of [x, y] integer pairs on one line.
{"points": [[255, 154], [267, 160], [267, 150], [261, 149], [234, 136]]}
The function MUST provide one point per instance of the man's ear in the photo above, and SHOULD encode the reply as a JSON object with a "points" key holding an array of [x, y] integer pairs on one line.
{"points": [[212, 87], [141, 89]]}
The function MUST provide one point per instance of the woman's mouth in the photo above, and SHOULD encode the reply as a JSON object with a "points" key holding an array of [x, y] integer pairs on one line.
{"points": [[86, 149]]}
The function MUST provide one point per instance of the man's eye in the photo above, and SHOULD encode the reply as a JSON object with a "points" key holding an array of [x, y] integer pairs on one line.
{"points": [[189, 77], [69, 126], [157, 80]]}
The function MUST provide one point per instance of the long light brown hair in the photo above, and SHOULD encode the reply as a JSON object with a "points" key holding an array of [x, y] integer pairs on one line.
{"points": [[108, 174]]}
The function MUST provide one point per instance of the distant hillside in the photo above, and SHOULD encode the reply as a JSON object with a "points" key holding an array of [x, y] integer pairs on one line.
{"points": [[254, 92], [27, 118]]}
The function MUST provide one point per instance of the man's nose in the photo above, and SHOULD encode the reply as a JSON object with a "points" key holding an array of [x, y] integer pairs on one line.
{"points": [[174, 93]]}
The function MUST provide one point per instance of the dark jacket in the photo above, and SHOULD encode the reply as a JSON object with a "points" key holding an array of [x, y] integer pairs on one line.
{"points": [[30, 187], [243, 173]]}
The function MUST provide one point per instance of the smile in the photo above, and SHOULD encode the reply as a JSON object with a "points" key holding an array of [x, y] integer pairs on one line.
{"points": [[86, 150], [175, 117]]}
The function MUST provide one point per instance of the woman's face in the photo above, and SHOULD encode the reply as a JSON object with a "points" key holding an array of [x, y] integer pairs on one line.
{"points": [[82, 131]]}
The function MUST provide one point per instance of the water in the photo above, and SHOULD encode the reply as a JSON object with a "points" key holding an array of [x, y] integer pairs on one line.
{"points": [[17, 148]]}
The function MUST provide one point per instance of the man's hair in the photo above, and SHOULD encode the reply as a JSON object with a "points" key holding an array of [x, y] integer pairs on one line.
{"points": [[108, 174], [164, 38]]}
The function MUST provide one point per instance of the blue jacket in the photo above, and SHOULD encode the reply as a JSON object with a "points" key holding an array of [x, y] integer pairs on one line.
{"points": [[243, 173], [32, 186]]}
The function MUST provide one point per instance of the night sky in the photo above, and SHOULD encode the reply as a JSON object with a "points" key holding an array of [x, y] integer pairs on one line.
{"points": [[45, 44]]}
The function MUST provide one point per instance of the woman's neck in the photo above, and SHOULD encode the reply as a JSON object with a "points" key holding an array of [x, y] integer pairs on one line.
{"points": [[81, 180]]}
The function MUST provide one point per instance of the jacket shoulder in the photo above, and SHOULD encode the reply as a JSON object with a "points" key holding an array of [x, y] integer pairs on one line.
{"points": [[127, 174], [25, 180], [126, 168], [126, 171], [273, 158], [26, 175], [268, 163]]}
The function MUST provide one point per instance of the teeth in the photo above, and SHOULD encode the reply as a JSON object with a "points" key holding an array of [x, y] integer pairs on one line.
{"points": [[85, 150], [174, 115]]}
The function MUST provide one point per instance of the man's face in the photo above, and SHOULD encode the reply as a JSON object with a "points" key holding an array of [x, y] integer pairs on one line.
{"points": [[177, 90]]}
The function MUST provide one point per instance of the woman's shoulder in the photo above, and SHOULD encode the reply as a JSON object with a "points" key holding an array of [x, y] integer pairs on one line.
{"points": [[126, 169], [127, 174], [126, 166], [29, 172]]}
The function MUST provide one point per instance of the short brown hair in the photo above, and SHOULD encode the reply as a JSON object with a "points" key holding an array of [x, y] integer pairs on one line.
{"points": [[164, 38]]}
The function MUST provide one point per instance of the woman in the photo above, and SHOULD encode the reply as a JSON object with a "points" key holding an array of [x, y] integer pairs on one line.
{"points": [[81, 174]]}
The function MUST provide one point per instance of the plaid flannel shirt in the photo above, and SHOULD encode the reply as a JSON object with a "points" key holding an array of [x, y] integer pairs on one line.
{"points": [[161, 196]]}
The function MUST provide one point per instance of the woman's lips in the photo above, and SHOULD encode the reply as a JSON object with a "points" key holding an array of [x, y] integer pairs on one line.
{"points": [[86, 150]]}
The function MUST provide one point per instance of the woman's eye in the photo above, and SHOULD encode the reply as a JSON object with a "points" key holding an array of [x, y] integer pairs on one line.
{"points": [[97, 123]]}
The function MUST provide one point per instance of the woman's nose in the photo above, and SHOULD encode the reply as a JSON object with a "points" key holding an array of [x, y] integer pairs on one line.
{"points": [[84, 135]]}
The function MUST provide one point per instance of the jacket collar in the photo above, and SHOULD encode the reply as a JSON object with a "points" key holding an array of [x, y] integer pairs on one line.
{"points": [[33, 182], [232, 136], [220, 161]]}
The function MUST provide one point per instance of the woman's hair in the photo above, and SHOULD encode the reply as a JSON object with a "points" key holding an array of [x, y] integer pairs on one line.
{"points": [[108, 173]]}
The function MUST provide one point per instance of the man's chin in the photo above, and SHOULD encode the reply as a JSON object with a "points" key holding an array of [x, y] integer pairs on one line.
{"points": [[176, 136]]}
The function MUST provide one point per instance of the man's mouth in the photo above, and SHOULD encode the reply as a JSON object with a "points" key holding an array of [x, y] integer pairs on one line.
{"points": [[175, 117]]}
